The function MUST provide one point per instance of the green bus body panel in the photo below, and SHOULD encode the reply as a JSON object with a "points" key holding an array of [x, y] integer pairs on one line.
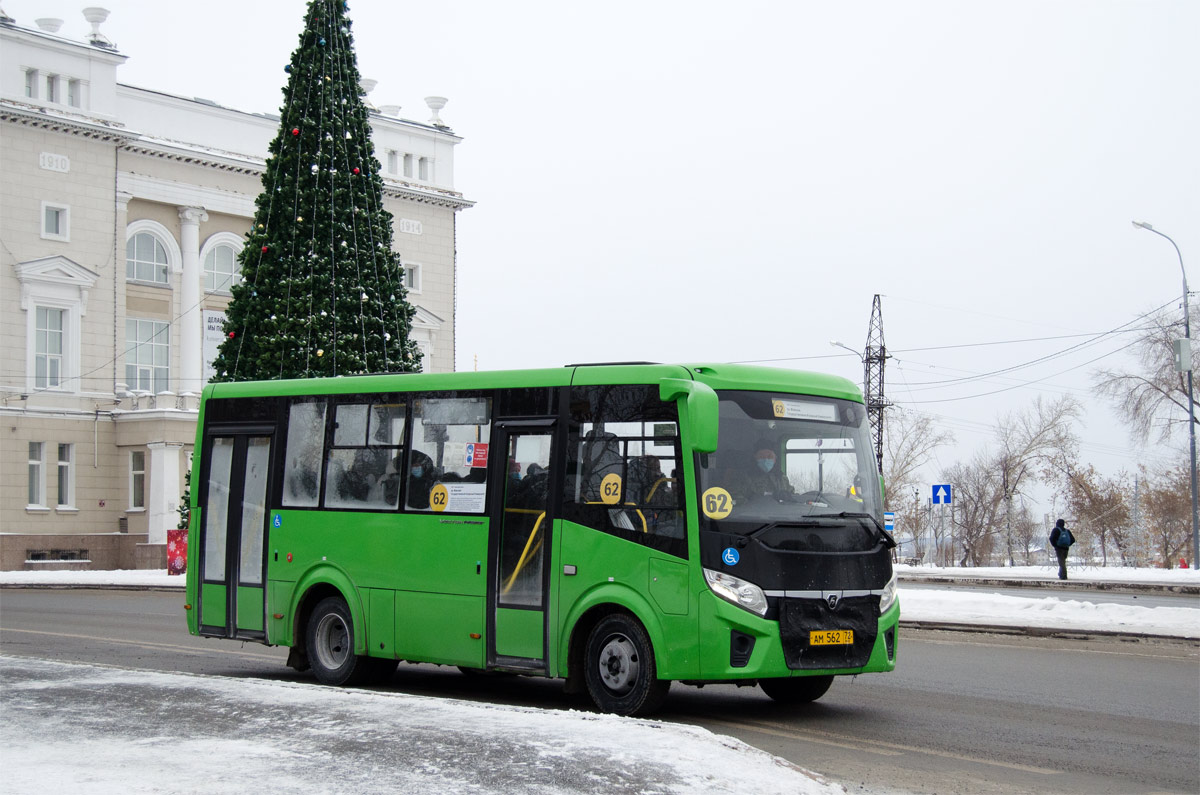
{"points": [[279, 596], [519, 633], [669, 585], [613, 571], [437, 628], [191, 585], [381, 622], [413, 552], [250, 607], [213, 604]]}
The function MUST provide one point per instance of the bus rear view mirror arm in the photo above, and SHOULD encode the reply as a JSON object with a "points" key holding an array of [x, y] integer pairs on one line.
{"points": [[701, 406]]}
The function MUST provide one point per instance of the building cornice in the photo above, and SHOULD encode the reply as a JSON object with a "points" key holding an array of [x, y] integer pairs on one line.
{"points": [[71, 124]]}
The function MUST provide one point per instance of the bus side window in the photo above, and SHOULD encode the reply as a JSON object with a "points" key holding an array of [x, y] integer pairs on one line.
{"points": [[450, 435], [302, 461], [367, 439], [623, 462]]}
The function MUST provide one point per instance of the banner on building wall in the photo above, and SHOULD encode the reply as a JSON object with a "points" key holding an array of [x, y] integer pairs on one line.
{"points": [[214, 334]]}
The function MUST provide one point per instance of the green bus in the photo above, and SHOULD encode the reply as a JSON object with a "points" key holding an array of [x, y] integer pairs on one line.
{"points": [[620, 526]]}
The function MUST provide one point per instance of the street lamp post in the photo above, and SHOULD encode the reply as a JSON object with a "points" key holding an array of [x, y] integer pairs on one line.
{"points": [[1187, 333]]}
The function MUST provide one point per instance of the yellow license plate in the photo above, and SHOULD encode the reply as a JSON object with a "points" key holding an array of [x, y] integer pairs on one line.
{"points": [[831, 637]]}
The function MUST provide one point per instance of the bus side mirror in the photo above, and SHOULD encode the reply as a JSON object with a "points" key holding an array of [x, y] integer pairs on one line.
{"points": [[701, 406]]}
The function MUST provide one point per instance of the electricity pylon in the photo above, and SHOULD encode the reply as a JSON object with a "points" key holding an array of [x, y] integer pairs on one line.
{"points": [[873, 360]]}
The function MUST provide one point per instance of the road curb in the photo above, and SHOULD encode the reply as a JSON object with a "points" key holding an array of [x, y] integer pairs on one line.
{"points": [[1046, 632], [1058, 585]]}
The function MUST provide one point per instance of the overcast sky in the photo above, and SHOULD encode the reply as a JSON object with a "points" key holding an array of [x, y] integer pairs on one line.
{"points": [[701, 181]]}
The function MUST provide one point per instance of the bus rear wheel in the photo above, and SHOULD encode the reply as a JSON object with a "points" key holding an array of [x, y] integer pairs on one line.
{"points": [[330, 638], [619, 668], [796, 689]]}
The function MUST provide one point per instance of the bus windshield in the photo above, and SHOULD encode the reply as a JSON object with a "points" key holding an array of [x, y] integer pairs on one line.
{"points": [[785, 458]]}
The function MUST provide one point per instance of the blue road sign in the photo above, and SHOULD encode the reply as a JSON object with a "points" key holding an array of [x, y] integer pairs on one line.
{"points": [[889, 521], [942, 494]]}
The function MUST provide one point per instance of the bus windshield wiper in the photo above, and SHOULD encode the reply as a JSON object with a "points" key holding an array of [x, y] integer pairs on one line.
{"points": [[877, 524]]}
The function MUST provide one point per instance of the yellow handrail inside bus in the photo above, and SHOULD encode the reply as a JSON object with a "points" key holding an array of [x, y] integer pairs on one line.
{"points": [[526, 553]]}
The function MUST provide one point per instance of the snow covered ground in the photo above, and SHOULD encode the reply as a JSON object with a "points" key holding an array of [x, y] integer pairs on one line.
{"points": [[930, 605], [133, 731], [87, 728]]}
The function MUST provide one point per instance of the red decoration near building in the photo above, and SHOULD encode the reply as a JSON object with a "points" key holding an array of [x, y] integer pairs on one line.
{"points": [[295, 131], [177, 544]]}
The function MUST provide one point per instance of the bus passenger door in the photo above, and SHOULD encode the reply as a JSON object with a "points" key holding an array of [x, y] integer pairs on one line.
{"points": [[233, 534], [520, 549]]}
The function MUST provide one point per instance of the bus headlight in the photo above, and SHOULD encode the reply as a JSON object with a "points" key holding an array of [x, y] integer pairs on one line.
{"points": [[888, 595], [745, 595]]}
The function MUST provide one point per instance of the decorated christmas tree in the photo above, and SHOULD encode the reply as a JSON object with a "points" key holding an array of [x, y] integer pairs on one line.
{"points": [[321, 292]]}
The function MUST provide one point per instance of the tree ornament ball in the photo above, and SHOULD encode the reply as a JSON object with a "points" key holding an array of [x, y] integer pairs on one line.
{"points": [[261, 226], [299, 218], [314, 168], [264, 249], [231, 335], [320, 351], [321, 41], [356, 171], [295, 131], [288, 68]]}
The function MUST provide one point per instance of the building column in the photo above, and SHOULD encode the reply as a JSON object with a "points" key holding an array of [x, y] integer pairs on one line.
{"points": [[190, 374], [162, 496]]}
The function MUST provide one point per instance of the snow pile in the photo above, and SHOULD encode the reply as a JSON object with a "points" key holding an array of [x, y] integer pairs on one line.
{"points": [[107, 730], [1090, 574], [994, 609]]}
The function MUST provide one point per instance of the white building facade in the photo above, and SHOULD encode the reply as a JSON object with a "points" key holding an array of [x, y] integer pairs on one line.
{"points": [[122, 211]]}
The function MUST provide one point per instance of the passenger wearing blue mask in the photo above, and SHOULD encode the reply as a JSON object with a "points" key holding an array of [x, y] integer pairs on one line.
{"points": [[764, 478], [421, 481]]}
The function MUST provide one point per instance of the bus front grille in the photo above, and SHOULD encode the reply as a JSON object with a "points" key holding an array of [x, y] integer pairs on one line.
{"points": [[798, 618]]}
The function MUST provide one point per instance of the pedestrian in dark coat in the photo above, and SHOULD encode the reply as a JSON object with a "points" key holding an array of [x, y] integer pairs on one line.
{"points": [[1061, 539]]}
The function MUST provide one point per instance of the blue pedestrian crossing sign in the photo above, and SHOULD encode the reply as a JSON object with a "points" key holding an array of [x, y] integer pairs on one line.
{"points": [[942, 494]]}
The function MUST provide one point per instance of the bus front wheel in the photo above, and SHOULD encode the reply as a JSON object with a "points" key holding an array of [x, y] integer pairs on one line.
{"points": [[330, 639], [796, 690], [619, 668]]}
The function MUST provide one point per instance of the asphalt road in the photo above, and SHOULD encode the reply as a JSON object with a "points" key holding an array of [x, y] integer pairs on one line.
{"points": [[964, 712]]}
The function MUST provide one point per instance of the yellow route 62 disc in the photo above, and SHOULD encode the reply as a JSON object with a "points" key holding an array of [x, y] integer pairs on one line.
{"points": [[716, 502], [438, 497], [610, 489]]}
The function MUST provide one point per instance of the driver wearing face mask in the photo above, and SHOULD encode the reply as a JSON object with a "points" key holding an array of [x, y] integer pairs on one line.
{"points": [[764, 477]]}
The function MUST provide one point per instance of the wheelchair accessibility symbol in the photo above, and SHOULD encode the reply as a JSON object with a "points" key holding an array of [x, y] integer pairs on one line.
{"points": [[730, 556]]}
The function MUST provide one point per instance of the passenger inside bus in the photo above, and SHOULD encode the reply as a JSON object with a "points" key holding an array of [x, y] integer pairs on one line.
{"points": [[421, 480]]}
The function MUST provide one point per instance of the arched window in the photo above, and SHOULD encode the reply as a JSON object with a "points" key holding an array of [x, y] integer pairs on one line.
{"points": [[145, 259], [219, 256], [221, 269]]}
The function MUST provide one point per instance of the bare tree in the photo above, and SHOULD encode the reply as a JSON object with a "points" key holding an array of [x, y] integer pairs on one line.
{"points": [[909, 441], [1168, 505], [1101, 506], [1153, 393], [1029, 442]]}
